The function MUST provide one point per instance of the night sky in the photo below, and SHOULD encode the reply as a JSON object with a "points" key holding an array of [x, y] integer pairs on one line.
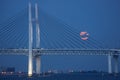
{"points": [[100, 18]]}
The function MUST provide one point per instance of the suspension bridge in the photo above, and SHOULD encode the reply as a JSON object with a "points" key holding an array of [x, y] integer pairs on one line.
{"points": [[66, 41]]}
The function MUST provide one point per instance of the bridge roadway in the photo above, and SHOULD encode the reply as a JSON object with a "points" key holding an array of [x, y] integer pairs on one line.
{"points": [[38, 52]]}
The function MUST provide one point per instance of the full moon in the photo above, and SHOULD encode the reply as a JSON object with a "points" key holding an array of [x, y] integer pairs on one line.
{"points": [[84, 35]]}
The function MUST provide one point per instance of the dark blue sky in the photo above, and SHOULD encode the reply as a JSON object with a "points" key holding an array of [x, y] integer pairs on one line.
{"points": [[100, 18]]}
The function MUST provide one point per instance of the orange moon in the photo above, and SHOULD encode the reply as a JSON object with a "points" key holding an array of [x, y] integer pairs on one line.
{"points": [[84, 35]]}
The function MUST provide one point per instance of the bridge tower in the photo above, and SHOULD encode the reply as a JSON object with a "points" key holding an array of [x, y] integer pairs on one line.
{"points": [[38, 58], [30, 56]]}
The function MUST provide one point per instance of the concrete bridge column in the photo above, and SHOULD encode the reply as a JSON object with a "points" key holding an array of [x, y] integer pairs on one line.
{"points": [[115, 57], [109, 64], [38, 64]]}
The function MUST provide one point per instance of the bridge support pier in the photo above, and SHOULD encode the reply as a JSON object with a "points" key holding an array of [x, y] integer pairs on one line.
{"points": [[109, 64], [115, 57], [38, 64]]}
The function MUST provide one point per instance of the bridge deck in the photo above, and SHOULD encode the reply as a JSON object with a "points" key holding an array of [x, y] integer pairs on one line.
{"points": [[37, 52]]}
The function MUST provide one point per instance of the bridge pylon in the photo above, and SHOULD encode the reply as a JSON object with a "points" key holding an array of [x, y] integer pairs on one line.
{"points": [[38, 58], [30, 56]]}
